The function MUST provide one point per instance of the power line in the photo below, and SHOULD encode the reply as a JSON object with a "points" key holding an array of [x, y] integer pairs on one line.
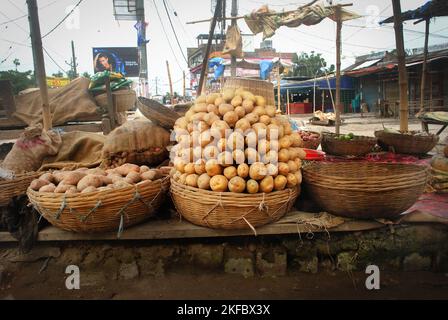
{"points": [[174, 31], [166, 35], [62, 21], [18, 25], [181, 23], [54, 61], [26, 15]]}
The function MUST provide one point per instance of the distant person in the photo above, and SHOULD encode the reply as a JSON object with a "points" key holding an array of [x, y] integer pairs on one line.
{"points": [[364, 108], [103, 62]]}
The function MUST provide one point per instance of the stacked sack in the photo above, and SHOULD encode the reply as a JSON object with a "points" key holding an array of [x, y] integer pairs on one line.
{"points": [[439, 172], [232, 141]]}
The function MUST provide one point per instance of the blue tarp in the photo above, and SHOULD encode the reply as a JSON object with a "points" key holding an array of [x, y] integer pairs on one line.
{"points": [[321, 84], [217, 64], [265, 68]]}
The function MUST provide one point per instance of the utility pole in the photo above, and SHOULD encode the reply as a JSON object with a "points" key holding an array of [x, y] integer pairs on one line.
{"points": [[140, 5], [38, 54], [234, 13], [157, 86], [183, 91], [338, 69], [171, 83], [75, 73]]}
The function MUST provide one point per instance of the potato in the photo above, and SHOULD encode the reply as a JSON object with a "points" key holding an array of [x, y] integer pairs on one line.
{"points": [[219, 101], [90, 180], [270, 111], [230, 172], [260, 101], [203, 181], [164, 170], [238, 156], [283, 155], [283, 168], [62, 188], [298, 175], [98, 172], [211, 152], [257, 171], [201, 126], [180, 165], [260, 130], [267, 184], [47, 177], [114, 177], [296, 139], [72, 190], [274, 145], [243, 124], [83, 169], [197, 153], [264, 146], [126, 168], [199, 167], [248, 106], [184, 141], [122, 184], [271, 157], [292, 180], [260, 111], [247, 95], [176, 176], [211, 98], [181, 123], [285, 142], [297, 153], [219, 183], [107, 188], [228, 94], [190, 126], [225, 158], [237, 184], [189, 114], [240, 111], [183, 178], [201, 99], [219, 128], [210, 118], [38, 183], [89, 189], [251, 155], [298, 163], [235, 141], [134, 177], [265, 119], [236, 101], [280, 182], [48, 188], [252, 186], [243, 170], [187, 154], [272, 169], [252, 117], [73, 178], [212, 108], [60, 175], [239, 91], [251, 139], [231, 118], [224, 108], [189, 168], [198, 117], [192, 180], [200, 107], [144, 169], [213, 168], [292, 166]]}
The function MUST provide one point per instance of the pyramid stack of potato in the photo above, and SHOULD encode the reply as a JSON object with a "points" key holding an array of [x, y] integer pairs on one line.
{"points": [[232, 141]]}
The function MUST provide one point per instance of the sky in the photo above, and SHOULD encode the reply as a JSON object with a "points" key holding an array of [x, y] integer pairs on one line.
{"points": [[94, 25]]}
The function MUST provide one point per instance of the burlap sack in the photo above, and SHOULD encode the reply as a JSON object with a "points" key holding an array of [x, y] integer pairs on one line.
{"points": [[30, 149], [139, 142], [234, 42]]}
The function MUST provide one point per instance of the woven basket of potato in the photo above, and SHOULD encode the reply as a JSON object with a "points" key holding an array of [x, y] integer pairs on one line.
{"points": [[15, 186], [229, 210], [93, 201]]}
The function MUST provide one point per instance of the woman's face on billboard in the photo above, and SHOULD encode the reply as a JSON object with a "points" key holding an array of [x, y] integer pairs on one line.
{"points": [[104, 61]]}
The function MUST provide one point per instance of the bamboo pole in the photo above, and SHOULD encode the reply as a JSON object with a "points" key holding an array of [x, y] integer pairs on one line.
{"points": [[184, 87], [338, 70], [234, 13], [424, 69], [209, 43], [402, 73], [278, 89], [287, 102], [171, 83], [36, 41]]}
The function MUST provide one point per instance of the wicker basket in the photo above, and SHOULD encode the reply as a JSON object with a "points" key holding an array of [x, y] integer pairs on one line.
{"points": [[227, 210], [157, 112], [101, 211], [124, 100], [407, 144], [16, 187], [312, 144], [358, 146], [365, 190], [257, 87]]}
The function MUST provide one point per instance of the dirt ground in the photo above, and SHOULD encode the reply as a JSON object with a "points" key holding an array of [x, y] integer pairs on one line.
{"points": [[28, 283]]}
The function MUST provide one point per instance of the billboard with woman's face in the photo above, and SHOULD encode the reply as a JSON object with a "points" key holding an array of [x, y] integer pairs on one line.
{"points": [[122, 60]]}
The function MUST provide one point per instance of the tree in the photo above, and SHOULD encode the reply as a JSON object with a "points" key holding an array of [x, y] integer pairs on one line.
{"points": [[58, 75], [87, 75], [16, 63], [19, 80], [310, 65]]}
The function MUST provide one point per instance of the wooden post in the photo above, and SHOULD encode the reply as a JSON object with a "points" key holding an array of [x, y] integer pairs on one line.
{"points": [[75, 72], [183, 87], [287, 102], [36, 41], [424, 68], [234, 13], [338, 70], [209, 43], [278, 89], [110, 105], [171, 83], [402, 73]]}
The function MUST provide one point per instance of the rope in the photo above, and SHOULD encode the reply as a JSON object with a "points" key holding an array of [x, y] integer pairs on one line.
{"points": [[61, 208], [250, 226], [213, 208], [122, 211], [98, 204]]}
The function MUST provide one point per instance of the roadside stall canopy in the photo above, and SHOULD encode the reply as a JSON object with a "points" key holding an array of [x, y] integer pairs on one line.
{"points": [[321, 84]]}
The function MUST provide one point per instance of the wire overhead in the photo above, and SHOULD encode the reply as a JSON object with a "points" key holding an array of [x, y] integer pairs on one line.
{"points": [[62, 21], [174, 31]]}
